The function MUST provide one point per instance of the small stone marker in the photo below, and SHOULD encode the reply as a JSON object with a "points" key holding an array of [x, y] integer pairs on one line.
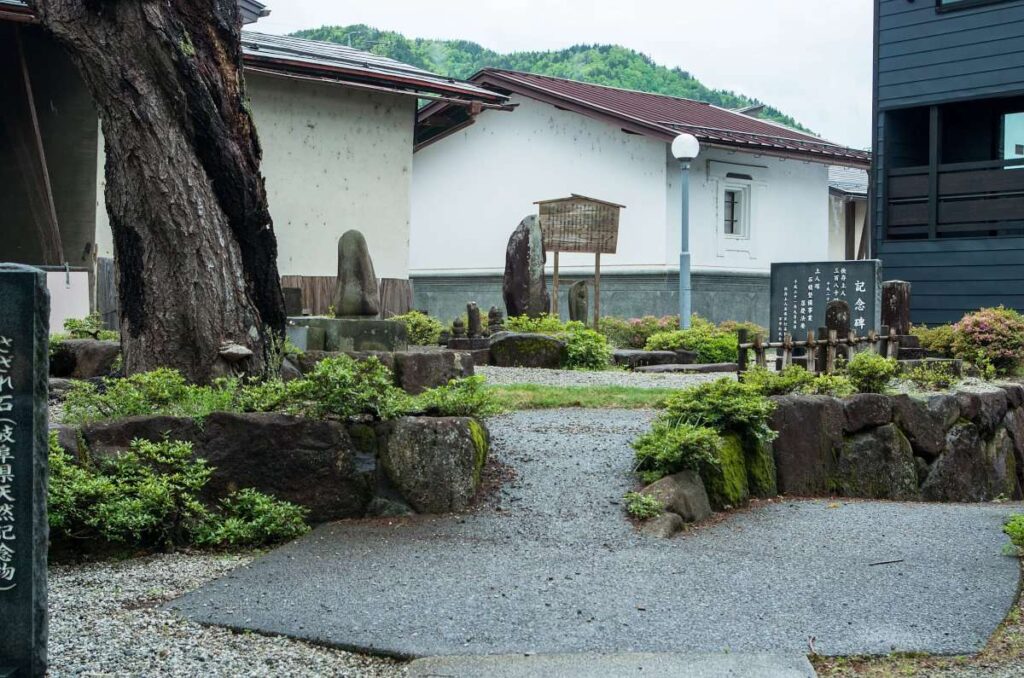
{"points": [[475, 328], [292, 301], [356, 293], [837, 317], [579, 301], [24, 350], [495, 320]]}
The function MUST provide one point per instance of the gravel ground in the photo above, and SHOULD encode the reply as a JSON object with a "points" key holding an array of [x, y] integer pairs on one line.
{"points": [[105, 620], [550, 564], [504, 376]]}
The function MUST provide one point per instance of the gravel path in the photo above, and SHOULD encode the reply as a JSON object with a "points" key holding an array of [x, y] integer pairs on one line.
{"points": [[551, 565], [504, 376], [105, 620]]}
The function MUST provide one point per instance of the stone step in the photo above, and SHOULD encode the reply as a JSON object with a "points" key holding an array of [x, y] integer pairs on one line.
{"points": [[689, 369], [645, 665]]}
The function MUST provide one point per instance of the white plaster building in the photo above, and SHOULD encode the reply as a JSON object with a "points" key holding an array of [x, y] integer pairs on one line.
{"points": [[759, 194]]}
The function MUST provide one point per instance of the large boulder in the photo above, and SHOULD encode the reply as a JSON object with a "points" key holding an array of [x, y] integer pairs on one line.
{"points": [[866, 410], [925, 420], [523, 287], [762, 475], [633, 358], [84, 358], [511, 349], [417, 371], [727, 483], [356, 292], [810, 437], [308, 462], [682, 494], [435, 462], [877, 464], [972, 469], [985, 406], [1014, 393]]}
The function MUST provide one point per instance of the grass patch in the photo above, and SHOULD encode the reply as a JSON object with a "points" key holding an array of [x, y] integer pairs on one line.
{"points": [[538, 397]]}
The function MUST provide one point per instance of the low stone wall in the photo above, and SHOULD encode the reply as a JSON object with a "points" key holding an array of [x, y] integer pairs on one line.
{"points": [[961, 446], [334, 469]]}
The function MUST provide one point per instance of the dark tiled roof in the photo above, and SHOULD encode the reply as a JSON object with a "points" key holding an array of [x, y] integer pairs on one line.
{"points": [[666, 116], [330, 60], [849, 180]]}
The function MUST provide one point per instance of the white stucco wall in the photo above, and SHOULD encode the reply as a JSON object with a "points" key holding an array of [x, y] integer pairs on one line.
{"points": [[837, 226], [472, 188], [334, 158]]}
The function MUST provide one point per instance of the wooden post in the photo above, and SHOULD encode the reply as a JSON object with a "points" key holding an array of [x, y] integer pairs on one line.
{"points": [[853, 340], [872, 340], [759, 352], [741, 354], [787, 350], [554, 288], [830, 352], [896, 306], [894, 344], [811, 352], [883, 342], [597, 291], [837, 317]]}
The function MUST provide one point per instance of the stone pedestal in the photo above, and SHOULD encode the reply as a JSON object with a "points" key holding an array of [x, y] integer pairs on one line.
{"points": [[358, 334], [304, 337]]}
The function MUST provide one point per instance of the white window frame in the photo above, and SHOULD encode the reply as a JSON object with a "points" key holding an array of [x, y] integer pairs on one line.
{"points": [[737, 249], [743, 219]]}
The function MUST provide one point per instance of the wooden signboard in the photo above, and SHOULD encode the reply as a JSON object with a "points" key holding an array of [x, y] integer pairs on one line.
{"points": [[579, 224]]}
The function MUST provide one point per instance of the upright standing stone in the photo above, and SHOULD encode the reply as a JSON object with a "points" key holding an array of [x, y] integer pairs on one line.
{"points": [[579, 301], [292, 301], [475, 328], [495, 321], [24, 349], [523, 287], [356, 293], [896, 305], [837, 317]]}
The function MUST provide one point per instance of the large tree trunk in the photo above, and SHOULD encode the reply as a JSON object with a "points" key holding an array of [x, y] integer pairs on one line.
{"points": [[194, 243]]}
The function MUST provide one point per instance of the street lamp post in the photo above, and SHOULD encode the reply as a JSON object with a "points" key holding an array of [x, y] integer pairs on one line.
{"points": [[685, 148]]}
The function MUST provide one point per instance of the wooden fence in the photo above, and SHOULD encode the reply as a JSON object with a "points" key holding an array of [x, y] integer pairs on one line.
{"points": [[318, 293], [821, 349]]}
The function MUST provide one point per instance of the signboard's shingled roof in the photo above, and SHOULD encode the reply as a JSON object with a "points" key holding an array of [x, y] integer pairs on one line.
{"points": [[666, 116]]}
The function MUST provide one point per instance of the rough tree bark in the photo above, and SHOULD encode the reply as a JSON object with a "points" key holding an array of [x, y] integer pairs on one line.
{"points": [[194, 242]]}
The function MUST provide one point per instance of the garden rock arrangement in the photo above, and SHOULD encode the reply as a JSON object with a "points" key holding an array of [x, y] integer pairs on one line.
{"points": [[334, 469], [962, 446], [414, 371], [515, 349]]}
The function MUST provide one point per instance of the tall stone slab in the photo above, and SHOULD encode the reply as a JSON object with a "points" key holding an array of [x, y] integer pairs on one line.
{"points": [[24, 349], [356, 293], [579, 301], [523, 288]]}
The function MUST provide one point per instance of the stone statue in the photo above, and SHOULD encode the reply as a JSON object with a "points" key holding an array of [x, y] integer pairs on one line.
{"points": [[473, 314], [579, 295], [495, 321], [356, 293], [523, 287], [458, 329]]}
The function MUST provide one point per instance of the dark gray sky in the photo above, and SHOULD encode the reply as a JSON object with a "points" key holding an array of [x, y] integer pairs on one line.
{"points": [[810, 58]]}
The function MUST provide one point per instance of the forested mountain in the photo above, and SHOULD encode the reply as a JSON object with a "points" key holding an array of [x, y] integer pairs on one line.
{"points": [[610, 65]]}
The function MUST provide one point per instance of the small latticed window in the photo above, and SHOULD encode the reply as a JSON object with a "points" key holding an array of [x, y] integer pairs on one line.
{"points": [[733, 213]]}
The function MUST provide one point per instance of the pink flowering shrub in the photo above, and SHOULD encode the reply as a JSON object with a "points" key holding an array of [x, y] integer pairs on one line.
{"points": [[991, 337], [635, 332]]}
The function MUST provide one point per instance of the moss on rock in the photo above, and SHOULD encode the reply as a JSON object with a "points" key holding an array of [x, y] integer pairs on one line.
{"points": [[761, 475], [481, 441], [727, 484]]}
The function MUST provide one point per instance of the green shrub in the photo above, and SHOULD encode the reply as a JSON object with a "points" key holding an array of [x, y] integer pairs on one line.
{"points": [[585, 348], [458, 398], [734, 326], [991, 336], [870, 372], [796, 379], [635, 332], [642, 506], [711, 344], [932, 376], [423, 330], [724, 405], [89, 327], [147, 497], [542, 324], [671, 447], [162, 391], [1014, 529], [343, 387], [938, 339], [251, 519]]}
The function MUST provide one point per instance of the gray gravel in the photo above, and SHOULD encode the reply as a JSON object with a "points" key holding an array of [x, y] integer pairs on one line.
{"points": [[504, 376], [105, 620], [551, 565]]}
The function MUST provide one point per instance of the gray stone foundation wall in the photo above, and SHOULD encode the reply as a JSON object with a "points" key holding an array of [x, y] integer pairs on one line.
{"points": [[717, 296]]}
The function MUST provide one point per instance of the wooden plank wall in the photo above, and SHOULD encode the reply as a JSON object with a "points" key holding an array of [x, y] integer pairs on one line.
{"points": [[318, 291], [954, 276]]}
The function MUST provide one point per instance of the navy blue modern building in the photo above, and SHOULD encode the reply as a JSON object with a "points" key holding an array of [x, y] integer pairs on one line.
{"points": [[948, 175]]}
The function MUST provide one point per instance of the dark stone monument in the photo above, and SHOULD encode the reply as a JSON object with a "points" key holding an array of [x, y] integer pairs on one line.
{"points": [[495, 321], [523, 287], [356, 293], [292, 301], [800, 293], [24, 349], [837, 317], [475, 328], [896, 306], [579, 301]]}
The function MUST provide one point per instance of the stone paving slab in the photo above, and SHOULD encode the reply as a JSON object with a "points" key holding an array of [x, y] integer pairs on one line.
{"points": [[552, 566], [615, 666]]}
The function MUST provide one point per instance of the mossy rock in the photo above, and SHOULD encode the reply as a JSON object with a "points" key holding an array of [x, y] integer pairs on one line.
{"points": [[482, 443], [761, 475], [527, 350], [727, 484]]}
